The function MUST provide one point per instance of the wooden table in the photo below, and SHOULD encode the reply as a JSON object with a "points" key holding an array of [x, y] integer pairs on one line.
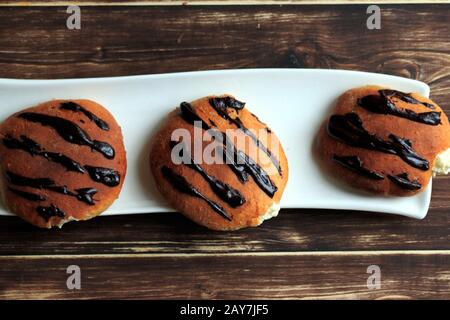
{"points": [[300, 254]]}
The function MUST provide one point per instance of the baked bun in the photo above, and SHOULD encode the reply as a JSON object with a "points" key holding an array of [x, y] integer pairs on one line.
{"points": [[241, 186], [385, 141], [61, 161]]}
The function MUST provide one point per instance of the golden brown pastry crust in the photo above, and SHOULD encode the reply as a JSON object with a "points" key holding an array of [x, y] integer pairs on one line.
{"points": [[427, 140], [257, 202], [24, 164]]}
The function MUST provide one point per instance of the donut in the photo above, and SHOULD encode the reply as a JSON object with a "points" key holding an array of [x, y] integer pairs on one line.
{"points": [[385, 141], [61, 161], [218, 164]]}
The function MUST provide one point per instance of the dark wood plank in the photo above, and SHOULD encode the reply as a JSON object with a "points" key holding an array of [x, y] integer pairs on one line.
{"points": [[181, 38], [204, 2], [293, 230], [283, 276]]}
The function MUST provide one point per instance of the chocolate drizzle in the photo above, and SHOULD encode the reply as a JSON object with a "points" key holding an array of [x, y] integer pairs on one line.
{"points": [[355, 164], [182, 185], [70, 132], [72, 106], [48, 212], [36, 183], [25, 143], [106, 176], [221, 105], [349, 129], [240, 163], [383, 105], [245, 166], [84, 194], [63, 160], [28, 195], [189, 115], [406, 97], [260, 176], [232, 158], [226, 102], [34, 149], [227, 193], [403, 181]]}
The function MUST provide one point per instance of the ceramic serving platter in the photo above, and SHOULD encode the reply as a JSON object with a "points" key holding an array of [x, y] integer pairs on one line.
{"points": [[293, 102]]}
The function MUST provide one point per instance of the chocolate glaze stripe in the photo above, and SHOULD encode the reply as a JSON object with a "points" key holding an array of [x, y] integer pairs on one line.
{"points": [[228, 102], [27, 195], [106, 176], [220, 105], [240, 163], [84, 194], [189, 115], [233, 160], [355, 164], [260, 176], [349, 129], [75, 107], [182, 185], [406, 97], [225, 192], [70, 132], [403, 181], [382, 105], [47, 212], [34, 149]]}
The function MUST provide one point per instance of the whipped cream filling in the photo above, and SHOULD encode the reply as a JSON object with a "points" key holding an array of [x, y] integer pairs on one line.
{"points": [[442, 163], [270, 213], [64, 221]]}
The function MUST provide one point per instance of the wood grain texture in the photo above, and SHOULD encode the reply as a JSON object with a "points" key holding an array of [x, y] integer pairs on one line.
{"points": [[253, 276], [293, 230], [300, 254], [204, 2], [413, 41]]}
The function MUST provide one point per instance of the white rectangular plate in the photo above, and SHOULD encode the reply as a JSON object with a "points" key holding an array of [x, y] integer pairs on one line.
{"points": [[292, 101]]}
